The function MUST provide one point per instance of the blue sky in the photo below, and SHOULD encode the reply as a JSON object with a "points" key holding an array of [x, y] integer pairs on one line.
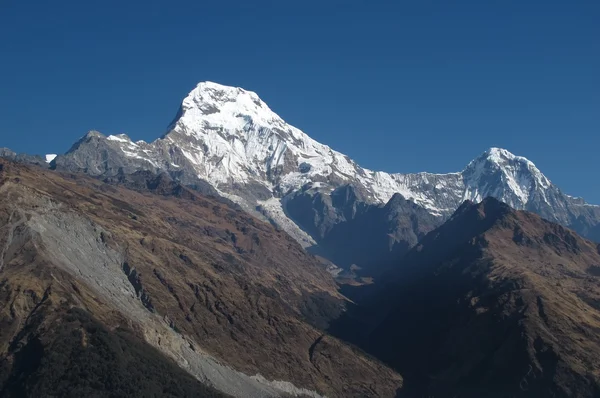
{"points": [[401, 86]]}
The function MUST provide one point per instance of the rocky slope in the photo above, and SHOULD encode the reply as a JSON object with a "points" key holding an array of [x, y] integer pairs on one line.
{"points": [[351, 232], [25, 158], [234, 302], [494, 303], [230, 139]]}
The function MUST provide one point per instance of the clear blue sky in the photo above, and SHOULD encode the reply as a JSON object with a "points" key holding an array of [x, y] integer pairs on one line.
{"points": [[401, 86]]}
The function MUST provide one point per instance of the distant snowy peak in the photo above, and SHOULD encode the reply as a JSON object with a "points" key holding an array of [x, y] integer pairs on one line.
{"points": [[209, 99], [230, 138], [231, 110], [499, 173], [510, 163]]}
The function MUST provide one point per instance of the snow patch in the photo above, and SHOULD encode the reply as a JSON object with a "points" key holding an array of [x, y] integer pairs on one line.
{"points": [[273, 210], [119, 138]]}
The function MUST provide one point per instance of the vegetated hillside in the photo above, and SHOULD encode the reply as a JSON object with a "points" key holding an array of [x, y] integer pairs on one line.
{"points": [[65, 352], [188, 274], [494, 303]]}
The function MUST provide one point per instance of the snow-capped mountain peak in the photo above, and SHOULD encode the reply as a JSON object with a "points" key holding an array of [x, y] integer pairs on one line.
{"points": [[499, 154], [218, 95], [503, 158], [503, 175], [213, 105], [500, 157], [230, 138]]}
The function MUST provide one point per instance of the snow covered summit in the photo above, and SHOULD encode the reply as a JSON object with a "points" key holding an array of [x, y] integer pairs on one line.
{"points": [[499, 173], [230, 138]]}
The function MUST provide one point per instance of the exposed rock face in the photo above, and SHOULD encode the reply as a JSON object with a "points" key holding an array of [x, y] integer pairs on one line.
{"points": [[349, 231], [231, 300], [22, 157], [495, 302]]}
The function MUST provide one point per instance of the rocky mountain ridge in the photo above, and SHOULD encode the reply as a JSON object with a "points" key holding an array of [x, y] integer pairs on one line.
{"points": [[229, 137], [494, 303]]}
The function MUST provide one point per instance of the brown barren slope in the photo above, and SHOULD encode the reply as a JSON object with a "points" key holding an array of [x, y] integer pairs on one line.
{"points": [[494, 303], [188, 273]]}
